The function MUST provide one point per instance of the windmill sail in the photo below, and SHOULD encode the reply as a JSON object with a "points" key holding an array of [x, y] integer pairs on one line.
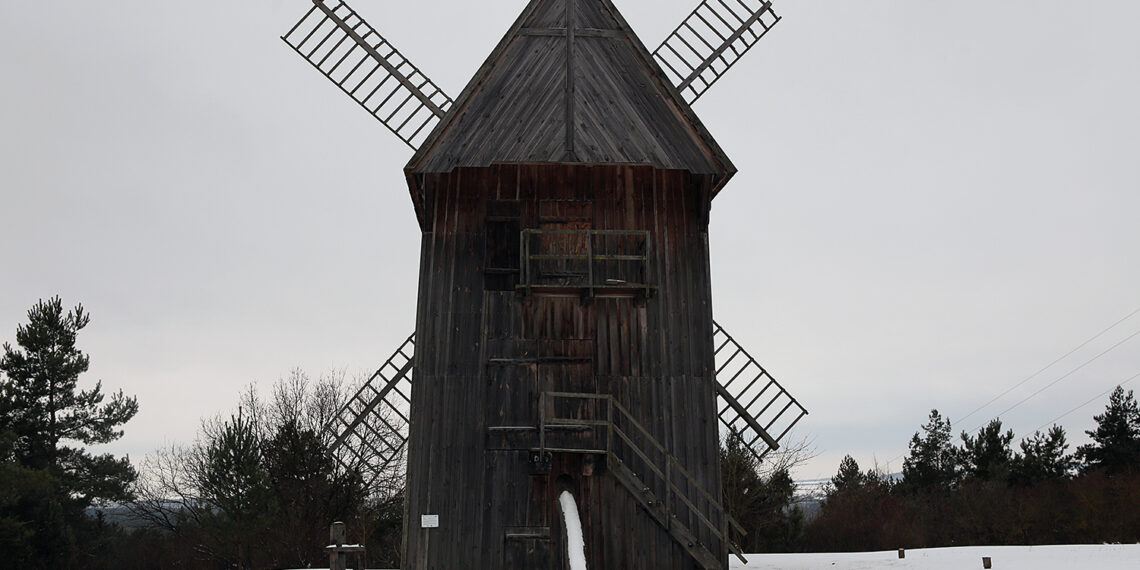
{"points": [[354, 56], [371, 430], [713, 38], [750, 401]]}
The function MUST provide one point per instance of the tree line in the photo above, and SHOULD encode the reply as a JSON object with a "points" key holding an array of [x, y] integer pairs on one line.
{"points": [[973, 489], [979, 490], [257, 488], [48, 479]]}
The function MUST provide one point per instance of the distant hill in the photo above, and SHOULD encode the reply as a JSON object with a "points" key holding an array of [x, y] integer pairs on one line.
{"points": [[118, 515]]}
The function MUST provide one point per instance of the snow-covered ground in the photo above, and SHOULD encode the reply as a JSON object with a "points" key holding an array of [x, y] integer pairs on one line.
{"points": [[1080, 557]]}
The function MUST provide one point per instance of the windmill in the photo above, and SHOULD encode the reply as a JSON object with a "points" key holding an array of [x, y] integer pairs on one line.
{"points": [[564, 338]]}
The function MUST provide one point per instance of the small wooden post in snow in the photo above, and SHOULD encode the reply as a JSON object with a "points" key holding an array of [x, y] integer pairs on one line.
{"points": [[339, 551]]}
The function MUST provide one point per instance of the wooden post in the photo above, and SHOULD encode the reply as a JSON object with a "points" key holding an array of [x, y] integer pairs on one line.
{"points": [[668, 492], [338, 560], [609, 427], [986, 562], [589, 264], [542, 399], [339, 551], [902, 553]]}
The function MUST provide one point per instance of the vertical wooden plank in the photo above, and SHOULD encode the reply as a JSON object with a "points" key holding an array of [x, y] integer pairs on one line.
{"points": [[637, 354]]}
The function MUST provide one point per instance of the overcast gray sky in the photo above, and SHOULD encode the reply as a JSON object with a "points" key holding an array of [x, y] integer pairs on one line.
{"points": [[935, 200]]}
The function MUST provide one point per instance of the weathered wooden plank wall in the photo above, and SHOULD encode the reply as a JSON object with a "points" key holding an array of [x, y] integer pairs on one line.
{"points": [[484, 355]]}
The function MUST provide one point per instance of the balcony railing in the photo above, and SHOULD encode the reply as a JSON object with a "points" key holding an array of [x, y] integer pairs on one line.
{"points": [[590, 261]]}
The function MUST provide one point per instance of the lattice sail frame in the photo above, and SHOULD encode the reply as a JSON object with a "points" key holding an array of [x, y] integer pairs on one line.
{"points": [[750, 401], [369, 69], [708, 42], [371, 430], [340, 44]]}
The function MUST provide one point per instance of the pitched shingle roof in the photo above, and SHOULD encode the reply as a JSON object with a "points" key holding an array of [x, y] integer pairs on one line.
{"points": [[571, 82]]}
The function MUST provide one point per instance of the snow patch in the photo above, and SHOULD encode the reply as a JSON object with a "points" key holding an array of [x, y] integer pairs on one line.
{"points": [[1068, 557], [575, 543]]}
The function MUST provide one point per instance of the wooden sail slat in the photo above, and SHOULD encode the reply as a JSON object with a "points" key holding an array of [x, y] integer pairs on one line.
{"points": [[757, 419], [690, 54], [415, 102]]}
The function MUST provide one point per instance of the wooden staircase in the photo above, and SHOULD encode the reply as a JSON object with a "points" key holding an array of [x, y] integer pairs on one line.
{"points": [[371, 429], [370, 435], [656, 509], [664, 488]]}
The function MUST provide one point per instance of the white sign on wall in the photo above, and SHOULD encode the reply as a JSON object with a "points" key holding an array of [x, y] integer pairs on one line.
{"points": [[429, 521]]}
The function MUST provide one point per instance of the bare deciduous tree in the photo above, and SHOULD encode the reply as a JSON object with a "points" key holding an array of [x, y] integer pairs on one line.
{"points": [[268, 475]]}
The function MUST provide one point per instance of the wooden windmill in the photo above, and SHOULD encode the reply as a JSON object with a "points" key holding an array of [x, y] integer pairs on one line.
{"points": [[564, 333]]}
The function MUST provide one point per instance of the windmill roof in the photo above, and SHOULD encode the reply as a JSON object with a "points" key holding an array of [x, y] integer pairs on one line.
{"points": [[571, 83]]}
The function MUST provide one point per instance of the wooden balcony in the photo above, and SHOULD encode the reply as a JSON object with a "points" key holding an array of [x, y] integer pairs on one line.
{"points": [[586, 262]]}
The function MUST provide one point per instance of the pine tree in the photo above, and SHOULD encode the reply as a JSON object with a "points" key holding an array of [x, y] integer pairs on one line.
{"points": [[233, 481], [258, 488], [1043, 457], [44, 415], [741, 485], [932, 461], [762, 505], [848, 477], [25, 495], [987, 456], [1116, 439]]}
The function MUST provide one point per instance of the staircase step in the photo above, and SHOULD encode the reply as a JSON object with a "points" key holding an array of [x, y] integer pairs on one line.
{"points": [[527, 532], [680, 533], [571, 450]]}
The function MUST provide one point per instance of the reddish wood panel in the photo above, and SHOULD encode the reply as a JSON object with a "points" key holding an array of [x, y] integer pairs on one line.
{"points": [[484, 356]]}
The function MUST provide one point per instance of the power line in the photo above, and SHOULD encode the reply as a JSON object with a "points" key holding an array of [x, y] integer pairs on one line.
{"points": [[1069, 373], [1064, 415], [1050, 365], [1091, 400]]}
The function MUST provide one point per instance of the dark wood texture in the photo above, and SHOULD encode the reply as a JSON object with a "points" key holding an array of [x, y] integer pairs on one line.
{"points": [[484, 356], [569, 130], [570, 82]]}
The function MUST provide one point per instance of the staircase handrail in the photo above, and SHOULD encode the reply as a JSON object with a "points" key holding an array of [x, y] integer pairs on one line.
{"points": [[671, 463]]}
